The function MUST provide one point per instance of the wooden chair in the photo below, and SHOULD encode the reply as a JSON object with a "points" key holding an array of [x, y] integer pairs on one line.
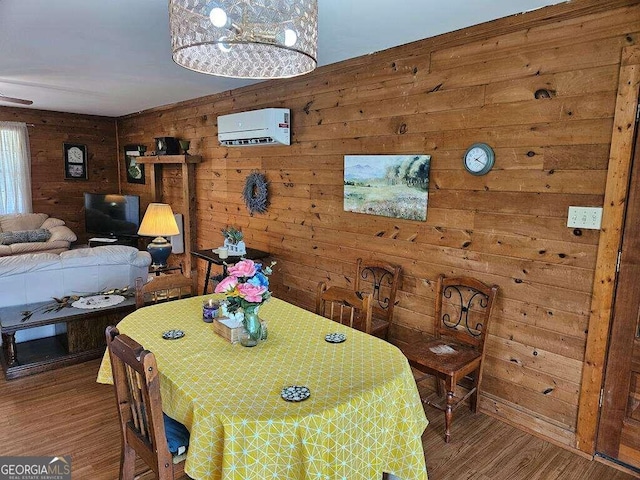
{"points": [[345, 306], [462, 313], [382, 279], [163, 288], [137, 388]]}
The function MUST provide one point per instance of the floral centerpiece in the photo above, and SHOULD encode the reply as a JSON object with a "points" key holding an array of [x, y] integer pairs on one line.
{"points": [[246, 288]]}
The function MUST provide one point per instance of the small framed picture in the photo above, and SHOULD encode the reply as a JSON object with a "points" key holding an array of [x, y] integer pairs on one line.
{"points": [[75, 161], [135, 170]]}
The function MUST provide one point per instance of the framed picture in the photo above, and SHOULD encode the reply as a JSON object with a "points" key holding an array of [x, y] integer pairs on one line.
{"points": [[135, 170], [390, 185], [75, 161]]}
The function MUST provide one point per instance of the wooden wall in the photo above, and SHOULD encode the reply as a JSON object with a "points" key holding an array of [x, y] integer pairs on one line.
{"points": [[51, 193], [437, 97]]}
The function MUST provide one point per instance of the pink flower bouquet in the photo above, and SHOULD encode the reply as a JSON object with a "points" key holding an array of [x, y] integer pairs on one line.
{"points": [[246, 286]]}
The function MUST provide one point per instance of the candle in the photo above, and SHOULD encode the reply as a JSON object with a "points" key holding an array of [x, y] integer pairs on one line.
{"points": [[210, 310]]}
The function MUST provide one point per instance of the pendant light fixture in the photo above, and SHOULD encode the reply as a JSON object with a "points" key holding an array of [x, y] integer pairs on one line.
{"points": [[258, 39]]}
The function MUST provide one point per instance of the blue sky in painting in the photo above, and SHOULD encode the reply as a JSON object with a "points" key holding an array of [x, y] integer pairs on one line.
{"points": [[363, 167]]}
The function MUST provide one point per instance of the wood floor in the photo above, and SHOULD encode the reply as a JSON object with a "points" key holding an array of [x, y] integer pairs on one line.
{"points": [[65, 412]]}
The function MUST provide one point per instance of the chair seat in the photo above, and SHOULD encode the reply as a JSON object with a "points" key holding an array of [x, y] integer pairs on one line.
{"points": [[442, 356], [379, 327]]}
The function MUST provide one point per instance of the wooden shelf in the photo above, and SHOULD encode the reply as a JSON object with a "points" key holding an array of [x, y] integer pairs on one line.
{"points": [[169, 159]]}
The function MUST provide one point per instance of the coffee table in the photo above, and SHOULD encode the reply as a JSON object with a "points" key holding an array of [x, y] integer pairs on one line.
{"points": [[83, 340]]}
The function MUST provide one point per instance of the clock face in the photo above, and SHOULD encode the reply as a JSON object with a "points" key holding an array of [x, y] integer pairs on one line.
{"points": [[74, 155], [479, 159]]}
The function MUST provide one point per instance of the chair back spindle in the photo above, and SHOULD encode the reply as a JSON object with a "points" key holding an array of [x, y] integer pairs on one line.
{"points": [[163, 288], [463, 309], [345, 306], [382, 279]]}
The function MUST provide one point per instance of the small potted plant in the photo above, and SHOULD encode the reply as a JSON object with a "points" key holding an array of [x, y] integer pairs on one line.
{"points": [[233, 241]]}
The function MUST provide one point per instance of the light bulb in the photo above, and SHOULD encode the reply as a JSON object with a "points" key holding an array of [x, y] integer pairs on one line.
{"points": [[290, 37], [218, 17]]}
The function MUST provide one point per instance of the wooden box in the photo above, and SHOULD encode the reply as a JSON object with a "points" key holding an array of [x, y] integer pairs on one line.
{"points": [[228, 329]]}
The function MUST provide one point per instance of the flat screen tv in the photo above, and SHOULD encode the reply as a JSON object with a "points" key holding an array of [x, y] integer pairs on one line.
{"points": [[111, 215]]}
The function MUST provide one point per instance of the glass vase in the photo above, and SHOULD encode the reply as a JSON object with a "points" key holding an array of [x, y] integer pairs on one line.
{"points": [[253, 328]]}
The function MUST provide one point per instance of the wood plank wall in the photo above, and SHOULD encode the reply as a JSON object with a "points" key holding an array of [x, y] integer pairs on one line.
{"points": [[437, 97], [51, 193]]}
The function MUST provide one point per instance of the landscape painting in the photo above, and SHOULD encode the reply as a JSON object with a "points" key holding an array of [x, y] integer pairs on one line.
{"points": [[389, 185]]}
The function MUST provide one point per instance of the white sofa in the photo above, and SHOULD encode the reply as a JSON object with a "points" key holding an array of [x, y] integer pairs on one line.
{"points": [[59, 241], [39, 277]]}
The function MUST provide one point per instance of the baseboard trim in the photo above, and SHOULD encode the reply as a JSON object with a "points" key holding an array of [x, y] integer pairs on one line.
{"points": [[502, 410], [617, 464]]}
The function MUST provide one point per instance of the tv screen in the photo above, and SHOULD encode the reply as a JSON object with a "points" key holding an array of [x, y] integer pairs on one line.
{"points": [[112, 215]]}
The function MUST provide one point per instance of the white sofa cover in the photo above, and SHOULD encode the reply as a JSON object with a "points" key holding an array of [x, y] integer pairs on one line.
{"points": [[39, 277]]}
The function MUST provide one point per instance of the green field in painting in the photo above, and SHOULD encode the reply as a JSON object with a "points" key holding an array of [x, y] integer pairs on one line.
{"points": [[378, 198]]}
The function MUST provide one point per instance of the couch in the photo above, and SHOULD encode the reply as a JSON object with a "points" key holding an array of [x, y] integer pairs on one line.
{"points": [[38, 277], [29, 233]]}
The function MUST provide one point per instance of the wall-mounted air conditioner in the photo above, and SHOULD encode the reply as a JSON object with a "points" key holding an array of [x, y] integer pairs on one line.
{"points": [[269, 126]]}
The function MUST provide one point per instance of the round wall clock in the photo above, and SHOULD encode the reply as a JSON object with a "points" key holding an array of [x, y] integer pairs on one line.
{"points": [[479, 159]]}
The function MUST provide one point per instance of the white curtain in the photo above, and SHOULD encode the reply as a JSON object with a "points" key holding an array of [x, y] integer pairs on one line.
{"points": [[15, 168]]}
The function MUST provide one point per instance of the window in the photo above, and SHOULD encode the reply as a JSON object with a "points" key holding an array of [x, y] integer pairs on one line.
{"points": [[15, 168]]}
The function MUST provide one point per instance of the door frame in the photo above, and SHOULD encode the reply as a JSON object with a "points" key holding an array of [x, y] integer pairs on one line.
{"points": [[615, 201], [623, 324]]}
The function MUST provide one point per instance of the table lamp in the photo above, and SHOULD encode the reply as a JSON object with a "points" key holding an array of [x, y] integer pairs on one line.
{"points": [[159, 222]]}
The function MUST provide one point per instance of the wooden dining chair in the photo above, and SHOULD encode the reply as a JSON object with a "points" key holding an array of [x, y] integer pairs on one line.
{"points": [[382, 279], [163, 288], [345, 306], [462, 313], [137, 388]]}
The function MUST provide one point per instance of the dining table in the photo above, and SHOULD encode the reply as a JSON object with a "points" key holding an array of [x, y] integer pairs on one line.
{"points": [[363, 415]]}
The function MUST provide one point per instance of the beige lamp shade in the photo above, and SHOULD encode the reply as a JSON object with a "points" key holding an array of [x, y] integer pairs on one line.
{"points": [[158, 221]]}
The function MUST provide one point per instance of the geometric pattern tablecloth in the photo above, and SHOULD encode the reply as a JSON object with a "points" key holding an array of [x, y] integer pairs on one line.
{"points": [[364, 415]]}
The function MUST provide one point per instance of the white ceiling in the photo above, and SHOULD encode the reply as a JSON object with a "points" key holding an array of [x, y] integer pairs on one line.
{"points": [[113, 57]]}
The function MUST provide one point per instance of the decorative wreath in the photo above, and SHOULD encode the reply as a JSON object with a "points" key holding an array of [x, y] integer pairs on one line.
{"points": [[255, 193]]}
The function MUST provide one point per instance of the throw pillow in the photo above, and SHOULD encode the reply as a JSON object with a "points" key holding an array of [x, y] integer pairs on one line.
{"points": [[25, 236], [177, 435]]}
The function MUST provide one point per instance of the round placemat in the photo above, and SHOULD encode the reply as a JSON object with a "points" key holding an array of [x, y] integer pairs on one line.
{"points": [[335, 337], [295, 393], [173, 334]]}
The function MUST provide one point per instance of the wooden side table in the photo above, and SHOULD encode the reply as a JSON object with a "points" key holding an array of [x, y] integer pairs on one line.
{"points": [[212, 258]]}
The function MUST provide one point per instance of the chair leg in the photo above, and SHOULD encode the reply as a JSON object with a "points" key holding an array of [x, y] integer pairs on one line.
{"points": [[473, 400], [127, 463], [448, 412], [439, 386]]}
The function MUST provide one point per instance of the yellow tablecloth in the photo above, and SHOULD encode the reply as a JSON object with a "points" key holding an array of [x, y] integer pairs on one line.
{"points": [[364, 415]]}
